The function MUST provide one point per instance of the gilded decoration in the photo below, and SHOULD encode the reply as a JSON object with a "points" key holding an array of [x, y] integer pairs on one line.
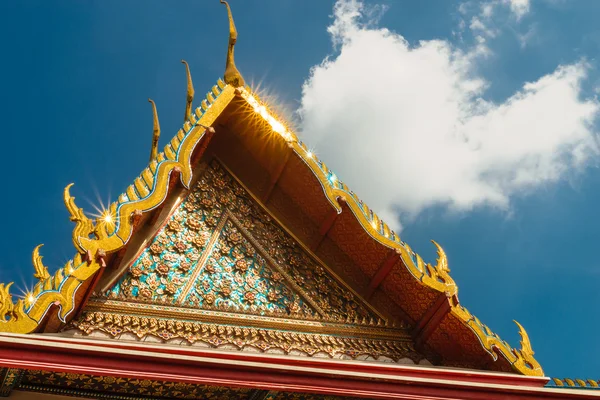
{"points": [[83, 384], [95, 240], [221, 250], [263, 340], [575, 383], [108, 387], [106, 235], [9, 379]]}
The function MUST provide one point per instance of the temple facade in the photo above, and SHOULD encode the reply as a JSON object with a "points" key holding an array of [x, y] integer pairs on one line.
{"points": [[238, 266]]}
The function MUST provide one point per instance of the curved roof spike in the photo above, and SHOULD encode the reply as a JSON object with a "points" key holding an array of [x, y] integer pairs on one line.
{"points": [[190, 93], [155, 132], [525, 343], [232, 75], [6, 304], [41, 272], [442, 261]]}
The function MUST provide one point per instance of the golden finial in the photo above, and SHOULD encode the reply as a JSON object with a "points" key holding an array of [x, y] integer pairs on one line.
{"points": [[190, 93], [526, 349], [41, 272], [525, 361], [442, 261], [6, 304], [232, 75], [155, 132], [84, 227]]}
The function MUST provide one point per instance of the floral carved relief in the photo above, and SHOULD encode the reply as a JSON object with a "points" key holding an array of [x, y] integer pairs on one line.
{"points": [[220, 249]]}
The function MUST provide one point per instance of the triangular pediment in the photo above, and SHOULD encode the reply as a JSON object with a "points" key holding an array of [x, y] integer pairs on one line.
{"points": [[222, 271], [220, 250]]}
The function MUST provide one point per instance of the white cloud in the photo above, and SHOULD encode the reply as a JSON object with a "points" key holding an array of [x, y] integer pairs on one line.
{"points": [[518, 7], [407, 126], [478, 26]]}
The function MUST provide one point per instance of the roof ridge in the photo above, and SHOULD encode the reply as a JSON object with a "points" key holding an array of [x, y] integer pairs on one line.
{"points": [[150, 189]]}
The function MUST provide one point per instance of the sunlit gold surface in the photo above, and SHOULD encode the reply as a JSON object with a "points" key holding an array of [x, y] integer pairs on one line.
{"points": [[155, 131], [232, 75], [436, 277], [149, 190], [189, 99], [41, 272], [335, 341], [109, 236], [567, 382], [84, 227]]}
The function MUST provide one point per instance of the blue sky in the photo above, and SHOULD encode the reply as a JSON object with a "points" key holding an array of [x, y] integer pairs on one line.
{"points": [[516, 210]]}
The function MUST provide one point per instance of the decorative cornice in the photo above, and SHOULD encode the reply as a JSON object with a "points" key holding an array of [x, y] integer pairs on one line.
{"points": [[575, 383], [232, 75], [150, 190], [436, 277], [108, 234], [344, 342], [155, 131]]}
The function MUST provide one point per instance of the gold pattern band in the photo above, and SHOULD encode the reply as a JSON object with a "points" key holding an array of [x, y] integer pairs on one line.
{"points": [[261, 339], [94, 240]]}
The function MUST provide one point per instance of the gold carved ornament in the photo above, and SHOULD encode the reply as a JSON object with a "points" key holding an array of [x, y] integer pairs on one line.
{"points": [[155, 131], [232, 75], [149, 190], [436, 277], [109, 234], [261, 339]]}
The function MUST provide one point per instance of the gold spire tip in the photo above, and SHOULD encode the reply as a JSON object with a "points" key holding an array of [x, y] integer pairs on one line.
{"points": [[155, 131], [41, 272], [232, 75], [190, 93]]}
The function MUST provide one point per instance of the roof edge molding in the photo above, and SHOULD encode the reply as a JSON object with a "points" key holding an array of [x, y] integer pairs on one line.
{"points": [[110, 233], [93, 240]]}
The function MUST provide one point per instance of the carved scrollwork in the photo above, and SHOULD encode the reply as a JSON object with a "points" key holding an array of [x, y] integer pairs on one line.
{"points": [[6, 304], [232, 75], [84, 226], [439, 272], [41, 272], [241, 337], [525, 354]]}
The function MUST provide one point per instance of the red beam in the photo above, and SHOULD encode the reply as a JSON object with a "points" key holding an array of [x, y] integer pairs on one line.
{"points": [[328, 377], [431, 320], [384, 270], [118, 347], [327, 224], [275, 177]]}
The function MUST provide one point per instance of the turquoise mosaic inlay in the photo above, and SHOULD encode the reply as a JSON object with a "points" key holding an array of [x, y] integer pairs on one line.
{"points": [[221, 250]]}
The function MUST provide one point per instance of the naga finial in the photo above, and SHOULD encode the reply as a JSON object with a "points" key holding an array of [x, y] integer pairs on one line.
{"points": [[442, 261], [84, 227], [190, 93], [525, 360], [155, 132], [41, 272], [232, 75], [526, 349], [6, 304]]}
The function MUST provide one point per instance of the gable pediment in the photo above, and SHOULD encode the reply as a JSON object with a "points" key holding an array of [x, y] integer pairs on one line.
{"points": [[222, 271], [221, 250]]}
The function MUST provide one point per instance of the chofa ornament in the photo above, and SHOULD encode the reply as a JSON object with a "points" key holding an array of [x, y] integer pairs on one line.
{"points": [[149, 190]]}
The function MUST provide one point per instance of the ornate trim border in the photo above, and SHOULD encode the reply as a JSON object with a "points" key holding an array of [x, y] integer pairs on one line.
{"points": [[435, 277], [147, 192], [150, 189]]}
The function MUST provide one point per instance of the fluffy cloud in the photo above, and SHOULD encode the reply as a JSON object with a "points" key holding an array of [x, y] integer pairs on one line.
{"points": [[408, 127], [518, 7]]}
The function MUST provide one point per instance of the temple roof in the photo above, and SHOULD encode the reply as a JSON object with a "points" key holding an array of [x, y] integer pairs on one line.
{"points": [[265, 153], [175, 164]]}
